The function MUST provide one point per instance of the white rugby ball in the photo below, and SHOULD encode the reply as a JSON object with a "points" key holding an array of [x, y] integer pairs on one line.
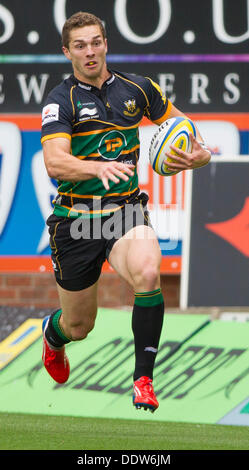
{"points": [[175, 131]]}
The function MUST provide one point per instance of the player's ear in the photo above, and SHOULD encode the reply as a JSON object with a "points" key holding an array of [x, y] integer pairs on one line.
{"points": [[106, 45], [66, 52]]}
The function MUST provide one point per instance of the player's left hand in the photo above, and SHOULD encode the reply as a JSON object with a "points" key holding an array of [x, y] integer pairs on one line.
{"points": [[188, 161]]}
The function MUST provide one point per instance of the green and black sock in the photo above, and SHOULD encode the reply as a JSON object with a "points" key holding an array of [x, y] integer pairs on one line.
{"points": [[147, 322], [54, 334]]}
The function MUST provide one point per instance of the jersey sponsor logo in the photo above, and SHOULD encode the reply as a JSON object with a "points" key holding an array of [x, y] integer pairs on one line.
{"points": [[112, 144], [131, 107], [87, 111], [128, 162], [50, 113]]}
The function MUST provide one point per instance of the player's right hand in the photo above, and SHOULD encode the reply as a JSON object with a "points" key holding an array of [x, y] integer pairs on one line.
{"points": [[113, 171]]}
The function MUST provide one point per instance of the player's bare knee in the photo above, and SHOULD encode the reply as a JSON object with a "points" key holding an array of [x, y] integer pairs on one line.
{"points": [[147, 278], [150, 278]]}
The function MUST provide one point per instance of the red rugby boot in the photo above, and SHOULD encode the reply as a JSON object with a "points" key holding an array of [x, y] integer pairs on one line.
{"points": [[55, 360], [144, 395]]}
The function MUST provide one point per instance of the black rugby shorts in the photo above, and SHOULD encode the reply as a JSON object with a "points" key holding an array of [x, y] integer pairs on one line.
{"points": [[79, 246]]}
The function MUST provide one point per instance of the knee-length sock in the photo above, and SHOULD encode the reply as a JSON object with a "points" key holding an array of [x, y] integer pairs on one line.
{"points": [[147, 322]]}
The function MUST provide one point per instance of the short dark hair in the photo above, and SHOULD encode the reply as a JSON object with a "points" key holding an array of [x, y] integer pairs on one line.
{"points": [[78, 20]]}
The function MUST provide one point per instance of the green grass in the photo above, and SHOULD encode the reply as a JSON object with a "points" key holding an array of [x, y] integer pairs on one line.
{"points": [[37, 432]]}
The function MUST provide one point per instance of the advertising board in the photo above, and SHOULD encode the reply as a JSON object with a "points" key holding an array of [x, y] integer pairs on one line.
{"points": [[215, 268], [201, 372], [201, 63]]}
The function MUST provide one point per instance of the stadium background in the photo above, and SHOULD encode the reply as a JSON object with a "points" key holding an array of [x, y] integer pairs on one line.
{"points": [[204, 72], [199, 56]]}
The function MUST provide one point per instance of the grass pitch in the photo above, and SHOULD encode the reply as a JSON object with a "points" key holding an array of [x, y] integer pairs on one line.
{"points": [[38, 432]]}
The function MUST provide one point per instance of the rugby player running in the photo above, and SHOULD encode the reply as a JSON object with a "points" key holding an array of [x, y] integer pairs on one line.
{"points": [[91, 146]]}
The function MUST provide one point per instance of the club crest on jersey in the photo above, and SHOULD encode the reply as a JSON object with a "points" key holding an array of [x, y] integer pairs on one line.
{"points": [[131, 107]]}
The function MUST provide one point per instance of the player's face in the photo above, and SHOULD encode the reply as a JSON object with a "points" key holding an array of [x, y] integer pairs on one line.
{"points": [[87, 51]]}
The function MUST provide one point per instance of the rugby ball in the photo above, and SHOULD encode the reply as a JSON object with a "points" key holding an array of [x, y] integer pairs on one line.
{"points": [[175, 131]]}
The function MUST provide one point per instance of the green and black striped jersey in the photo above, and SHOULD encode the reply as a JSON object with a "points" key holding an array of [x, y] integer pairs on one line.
{"points": [[102, 125]]}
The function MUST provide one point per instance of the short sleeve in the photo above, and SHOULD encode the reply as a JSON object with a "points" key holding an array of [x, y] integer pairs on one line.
{"points": [[159, 106], [57, 117]]}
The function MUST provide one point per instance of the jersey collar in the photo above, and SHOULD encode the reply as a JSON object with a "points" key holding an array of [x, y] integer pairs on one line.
{"points": [[88, 87]]}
